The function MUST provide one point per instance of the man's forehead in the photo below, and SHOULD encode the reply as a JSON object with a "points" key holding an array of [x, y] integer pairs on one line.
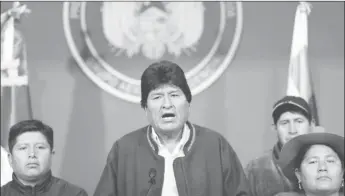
{"points": [[165, 88], [291, 114], [31, 137]]}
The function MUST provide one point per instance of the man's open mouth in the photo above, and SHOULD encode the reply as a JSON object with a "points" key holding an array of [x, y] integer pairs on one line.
{"points": [[168, 116]]}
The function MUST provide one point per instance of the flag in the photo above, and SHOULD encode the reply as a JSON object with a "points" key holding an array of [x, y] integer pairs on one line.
{"points": [[6, 169], [299, 76], [15, 93]]}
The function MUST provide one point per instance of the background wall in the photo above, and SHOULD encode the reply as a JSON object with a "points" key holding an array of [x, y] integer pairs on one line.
{"points": [[87, 120]]}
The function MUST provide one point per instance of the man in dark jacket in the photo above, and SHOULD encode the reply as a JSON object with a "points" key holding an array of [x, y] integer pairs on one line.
{"points": [[31, 150], [171, 156], [291, 117]]}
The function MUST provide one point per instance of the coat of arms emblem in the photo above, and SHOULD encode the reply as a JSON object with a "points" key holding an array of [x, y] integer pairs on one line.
{"points": [[113, 42]]}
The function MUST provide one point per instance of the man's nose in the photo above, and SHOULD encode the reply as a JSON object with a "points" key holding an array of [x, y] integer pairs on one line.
{"points": [[167, 102], [292, 128], [32, 152]]}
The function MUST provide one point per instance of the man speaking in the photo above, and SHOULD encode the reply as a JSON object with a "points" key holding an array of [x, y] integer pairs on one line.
{"points": [[170, 156]]}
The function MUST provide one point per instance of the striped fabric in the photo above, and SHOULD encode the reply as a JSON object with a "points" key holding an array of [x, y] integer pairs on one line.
{"points": [[299, 76], [6, 169]]}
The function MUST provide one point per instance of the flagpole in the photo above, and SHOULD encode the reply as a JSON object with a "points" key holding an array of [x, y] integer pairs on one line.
{"points": [[28, 86], [9, 62], [13, 61]]}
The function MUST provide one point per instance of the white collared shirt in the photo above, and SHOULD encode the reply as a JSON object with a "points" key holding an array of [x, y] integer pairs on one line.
{"points": [[169, 182], [6, 169]]}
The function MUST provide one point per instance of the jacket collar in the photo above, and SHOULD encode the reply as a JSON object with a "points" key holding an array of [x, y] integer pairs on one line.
{"points": [[187, 146], [276, 151], [299, 194], [41, 187], [275, 158]]}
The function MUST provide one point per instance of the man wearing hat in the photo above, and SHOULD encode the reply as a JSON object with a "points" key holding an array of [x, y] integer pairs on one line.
{"points": [[171, 156], [292, 117]]}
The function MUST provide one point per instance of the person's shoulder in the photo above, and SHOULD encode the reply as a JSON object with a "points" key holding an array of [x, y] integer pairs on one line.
{"points": [[289, 194], [132, 137], [262, 159], [260, 163], [68, 188], [209, 138], [205, 132], [6, 188], [129, 141]]}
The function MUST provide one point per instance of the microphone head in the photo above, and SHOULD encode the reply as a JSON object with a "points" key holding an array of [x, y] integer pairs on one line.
{"points": [[152, 173]]}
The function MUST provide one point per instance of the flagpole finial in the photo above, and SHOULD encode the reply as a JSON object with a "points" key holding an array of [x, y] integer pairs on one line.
{"points": [[18, 10], [12, 47], [305, 7]]}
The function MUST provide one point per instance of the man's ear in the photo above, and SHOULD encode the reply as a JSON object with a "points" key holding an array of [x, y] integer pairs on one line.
{"points": [[298, 174], [145, 110], [273, 127], [312, 122], [53, 152], [9, 156]]}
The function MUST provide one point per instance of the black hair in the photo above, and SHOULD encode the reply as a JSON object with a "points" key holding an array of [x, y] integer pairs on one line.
{"points": [[160, 73], [30, 126]]}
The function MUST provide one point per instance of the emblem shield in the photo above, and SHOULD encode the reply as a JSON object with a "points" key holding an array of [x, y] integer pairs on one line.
{"points": [[120, 39]]}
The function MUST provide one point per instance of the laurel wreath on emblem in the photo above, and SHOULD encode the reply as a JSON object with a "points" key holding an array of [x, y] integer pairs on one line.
{"points": [[152, 29]]}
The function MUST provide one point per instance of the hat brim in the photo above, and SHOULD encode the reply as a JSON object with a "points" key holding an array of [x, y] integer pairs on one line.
{"points": [[288, 106], [290, 150]]}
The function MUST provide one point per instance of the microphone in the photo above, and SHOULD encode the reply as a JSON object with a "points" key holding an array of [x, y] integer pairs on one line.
{"points": [[152, 175], [152, 181]]}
